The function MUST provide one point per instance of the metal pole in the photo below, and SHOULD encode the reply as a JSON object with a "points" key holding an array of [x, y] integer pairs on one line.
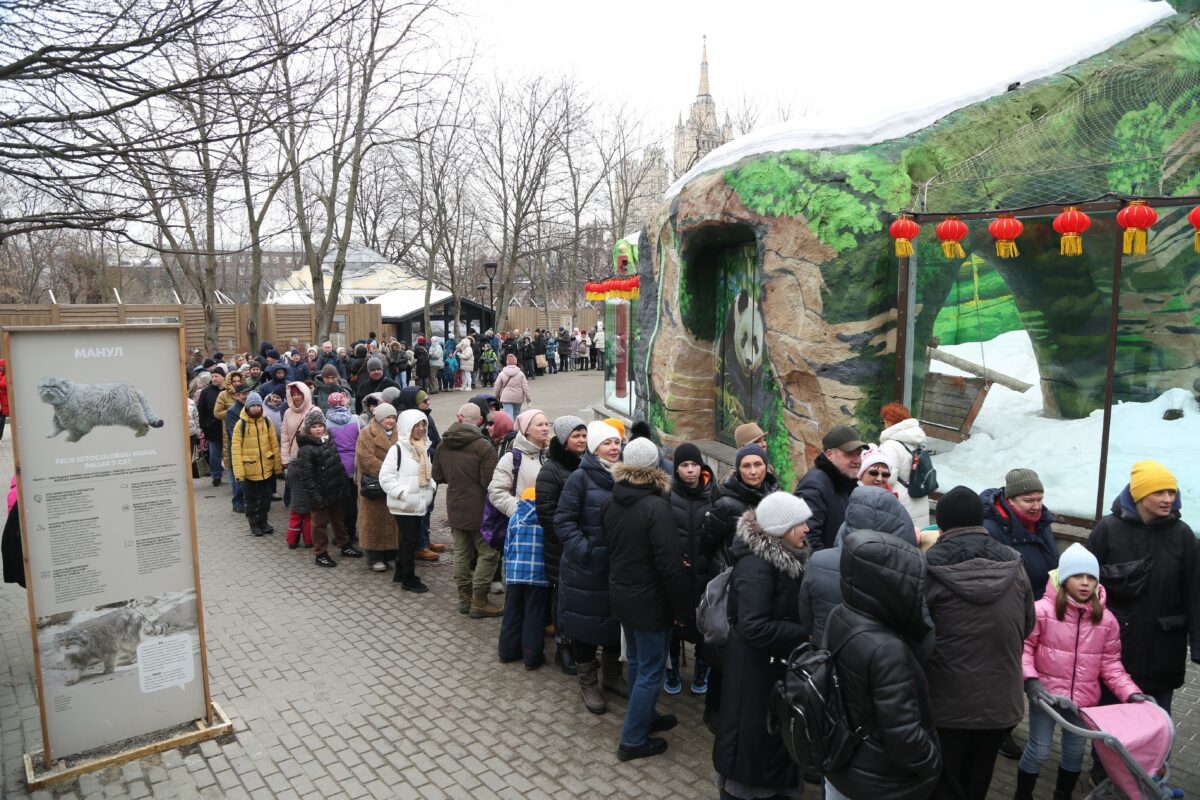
{"points": [[1113, 318], [898, 389], [492, 300]]}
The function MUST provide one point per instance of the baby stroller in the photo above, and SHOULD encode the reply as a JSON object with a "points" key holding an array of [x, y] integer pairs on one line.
{"points": [[1133, 742]]}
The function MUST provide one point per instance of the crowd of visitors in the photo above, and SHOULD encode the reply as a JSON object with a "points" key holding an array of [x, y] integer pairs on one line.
{"points": [[599, 539]]}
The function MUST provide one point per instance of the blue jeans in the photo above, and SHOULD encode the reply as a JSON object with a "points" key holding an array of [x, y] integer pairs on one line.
{"points": [[1041, 735], [214, 460], [513, 409], [646, 659]]}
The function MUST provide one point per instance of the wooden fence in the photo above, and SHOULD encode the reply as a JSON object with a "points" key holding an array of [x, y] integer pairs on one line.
{"points": [[520, 318], [278, 324]]}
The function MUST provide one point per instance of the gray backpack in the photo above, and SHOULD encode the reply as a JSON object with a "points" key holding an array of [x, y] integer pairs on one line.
{"points": [[712, 615]]}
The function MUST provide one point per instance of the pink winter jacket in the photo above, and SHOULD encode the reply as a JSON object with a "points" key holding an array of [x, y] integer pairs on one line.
{"points": [[512, 386], [1070, 657]]}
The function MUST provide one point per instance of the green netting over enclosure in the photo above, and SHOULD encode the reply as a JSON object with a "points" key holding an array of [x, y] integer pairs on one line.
{"points": [[1131, 130]]}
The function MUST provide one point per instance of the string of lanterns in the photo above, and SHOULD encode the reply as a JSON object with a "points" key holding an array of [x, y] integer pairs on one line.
{"points": [[1136, 218], [613, 289]]}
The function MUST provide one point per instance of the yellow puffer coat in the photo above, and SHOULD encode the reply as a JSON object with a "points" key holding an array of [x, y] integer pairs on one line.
{"points": [[255, 449]]}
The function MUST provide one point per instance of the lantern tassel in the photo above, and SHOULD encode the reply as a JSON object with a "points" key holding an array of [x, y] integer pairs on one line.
{"points": [[1198, 240], [1135, 242], [1006, 248], [904, 248], [952, 250], [1071, 245]]}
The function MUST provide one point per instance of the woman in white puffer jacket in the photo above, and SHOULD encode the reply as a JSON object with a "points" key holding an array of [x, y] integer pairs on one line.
{"points": [[407, 479], [902, 436]]}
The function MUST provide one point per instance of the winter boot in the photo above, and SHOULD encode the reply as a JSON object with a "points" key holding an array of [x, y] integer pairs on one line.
{"points": [[1025, 783], [481, 607], [589, 687], [612, 678], [563, 656], [1065, 784], [672, 685], [265, 526], [700, 677], [255, 530], [464, 601]]}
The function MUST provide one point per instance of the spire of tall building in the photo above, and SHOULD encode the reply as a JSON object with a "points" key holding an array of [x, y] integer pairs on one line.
{"points": [[704, 68]]}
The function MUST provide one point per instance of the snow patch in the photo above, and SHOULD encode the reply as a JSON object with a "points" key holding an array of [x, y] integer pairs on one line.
{"points": [[1011, 431]]}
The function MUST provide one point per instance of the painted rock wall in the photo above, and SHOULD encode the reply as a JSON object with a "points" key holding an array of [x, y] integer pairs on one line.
{"points": [[817, 222]]}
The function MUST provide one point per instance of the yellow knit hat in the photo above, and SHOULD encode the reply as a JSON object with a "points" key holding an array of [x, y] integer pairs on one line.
{"points": [[1149, 477]]}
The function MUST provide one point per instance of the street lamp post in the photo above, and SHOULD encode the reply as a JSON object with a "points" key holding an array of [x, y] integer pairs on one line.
{"points": [[489, 269]]}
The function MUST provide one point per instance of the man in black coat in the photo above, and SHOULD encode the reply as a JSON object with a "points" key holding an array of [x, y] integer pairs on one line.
{"points": [[827, 486], [210, 426], [375, 381], [647, 588], [982, 609]]}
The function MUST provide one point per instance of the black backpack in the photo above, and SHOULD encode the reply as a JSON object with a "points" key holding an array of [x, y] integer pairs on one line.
{"points": [[807, 711], [922, 480]]}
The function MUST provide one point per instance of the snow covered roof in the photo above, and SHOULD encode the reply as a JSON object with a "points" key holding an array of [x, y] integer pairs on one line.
{"points": [[1028, 50], [402, 302]]}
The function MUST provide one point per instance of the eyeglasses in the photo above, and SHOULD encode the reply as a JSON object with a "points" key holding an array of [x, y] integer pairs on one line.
{"points": [[875, 473]]}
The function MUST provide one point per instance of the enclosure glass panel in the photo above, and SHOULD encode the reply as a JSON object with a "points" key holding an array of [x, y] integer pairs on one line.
{"points": [[619, 333]]}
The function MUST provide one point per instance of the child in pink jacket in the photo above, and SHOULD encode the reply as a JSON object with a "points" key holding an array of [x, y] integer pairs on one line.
{"points": [[1075, 644]]}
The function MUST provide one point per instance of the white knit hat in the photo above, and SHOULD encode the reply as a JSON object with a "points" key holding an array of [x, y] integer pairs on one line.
{"points": [[639, 453], [599, 433], [779, 512], [874, 456], [1077, 560]]}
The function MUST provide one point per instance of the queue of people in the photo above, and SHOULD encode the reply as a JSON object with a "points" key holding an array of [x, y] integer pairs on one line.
{"points": [[943, 632]]}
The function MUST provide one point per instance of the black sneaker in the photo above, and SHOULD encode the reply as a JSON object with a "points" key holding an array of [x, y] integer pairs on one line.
{"points": [[350, 551], [663, 722], [416, 587], [324, 560], [653, 746]]}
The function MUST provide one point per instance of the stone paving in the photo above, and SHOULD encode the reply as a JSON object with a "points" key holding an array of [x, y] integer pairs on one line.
{"points": [[340, 685]]}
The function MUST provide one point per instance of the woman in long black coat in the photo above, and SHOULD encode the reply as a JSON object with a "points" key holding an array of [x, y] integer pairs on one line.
{"points": [[690, 505], [764, 604], [584, 609], [567, 446], [875, 635]]}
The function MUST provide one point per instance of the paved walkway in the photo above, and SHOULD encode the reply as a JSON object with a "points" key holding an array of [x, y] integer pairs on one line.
{"points": [[342, 686]]}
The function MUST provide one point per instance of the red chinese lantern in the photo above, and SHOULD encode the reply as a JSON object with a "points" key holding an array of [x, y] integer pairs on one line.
{"points": [[904, 230], [950, 232], [1005, 229], [1136, 218], [1194, 218], [1071, 224]]}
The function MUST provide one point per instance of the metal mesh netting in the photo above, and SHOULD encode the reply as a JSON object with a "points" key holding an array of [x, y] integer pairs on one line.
{"points": [[1130, 130]]}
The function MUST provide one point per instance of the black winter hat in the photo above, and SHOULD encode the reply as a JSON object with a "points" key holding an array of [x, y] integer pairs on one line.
{"points": [[959, 508], [641, 430], [687, 452]]}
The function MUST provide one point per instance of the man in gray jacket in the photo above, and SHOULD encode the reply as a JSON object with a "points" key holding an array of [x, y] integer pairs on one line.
{"points": [[982, 608]]}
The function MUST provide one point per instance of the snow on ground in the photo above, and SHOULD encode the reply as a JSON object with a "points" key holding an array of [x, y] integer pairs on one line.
{"points": [[1011, 431], [1028, 51]]}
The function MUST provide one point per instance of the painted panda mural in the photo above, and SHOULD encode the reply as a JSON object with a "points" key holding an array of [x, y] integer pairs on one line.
{"points": [[742, 393]]}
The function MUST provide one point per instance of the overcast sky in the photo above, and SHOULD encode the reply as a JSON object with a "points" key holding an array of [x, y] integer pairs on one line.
{"points": [[843, 60]]}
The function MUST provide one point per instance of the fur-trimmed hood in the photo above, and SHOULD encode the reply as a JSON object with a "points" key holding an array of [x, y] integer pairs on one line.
{"points": [[642, 476], [769, 548]]}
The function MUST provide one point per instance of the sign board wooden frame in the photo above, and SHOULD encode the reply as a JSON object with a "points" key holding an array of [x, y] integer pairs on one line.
{"points": [[83, 338]]}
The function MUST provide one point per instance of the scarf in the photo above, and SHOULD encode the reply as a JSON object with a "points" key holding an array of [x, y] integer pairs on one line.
{"points": [[1029, 522], [424, 467]]}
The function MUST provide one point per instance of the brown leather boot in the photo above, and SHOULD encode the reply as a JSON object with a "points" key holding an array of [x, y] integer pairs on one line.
{"points": [[589, 687], [427, 555], [464, 601], [481, 607], [437, 548]]}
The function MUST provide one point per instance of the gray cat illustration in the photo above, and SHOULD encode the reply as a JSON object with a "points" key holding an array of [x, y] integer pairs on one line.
{"points": [[181, 617], [79, 407], [110, 640]]}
